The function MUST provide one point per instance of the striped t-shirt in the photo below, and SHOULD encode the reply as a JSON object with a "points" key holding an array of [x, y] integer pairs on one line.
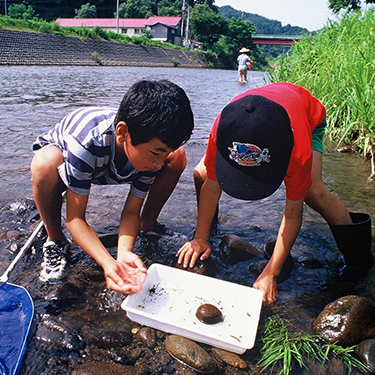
{"points": [[87, 139]]}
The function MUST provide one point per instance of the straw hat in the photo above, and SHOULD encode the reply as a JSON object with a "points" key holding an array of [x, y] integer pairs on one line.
{"points": [[244, 50]]}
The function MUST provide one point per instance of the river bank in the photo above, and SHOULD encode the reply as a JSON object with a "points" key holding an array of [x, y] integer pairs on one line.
{"points": [[31, 48], [75, 320]]}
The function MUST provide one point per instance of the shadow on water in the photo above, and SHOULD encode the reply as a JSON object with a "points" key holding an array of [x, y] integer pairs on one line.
{"points": [[70, 314]]}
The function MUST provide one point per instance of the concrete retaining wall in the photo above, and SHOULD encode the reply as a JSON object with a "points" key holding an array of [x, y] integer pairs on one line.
{"points": [[29, 48]]}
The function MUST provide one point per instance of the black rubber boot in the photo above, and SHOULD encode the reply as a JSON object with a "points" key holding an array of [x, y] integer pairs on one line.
{"points": [[354, 242]]}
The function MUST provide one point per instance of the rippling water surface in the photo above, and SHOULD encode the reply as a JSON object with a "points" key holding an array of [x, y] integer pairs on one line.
{"points": [[32, 99]]}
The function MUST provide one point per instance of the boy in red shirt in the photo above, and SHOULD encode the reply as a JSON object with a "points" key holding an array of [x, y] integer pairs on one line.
{"points": [[263, 137]]}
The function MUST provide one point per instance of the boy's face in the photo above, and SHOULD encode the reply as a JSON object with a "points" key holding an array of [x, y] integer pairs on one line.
{"points": [[147, 156]]}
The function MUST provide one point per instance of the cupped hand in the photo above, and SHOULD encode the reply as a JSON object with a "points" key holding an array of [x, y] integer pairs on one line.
{"points": [[126, 275], [189, 253], [267, 284]]}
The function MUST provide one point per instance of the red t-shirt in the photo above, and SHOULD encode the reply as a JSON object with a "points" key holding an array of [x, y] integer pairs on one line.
{"points": [[305, 113]]}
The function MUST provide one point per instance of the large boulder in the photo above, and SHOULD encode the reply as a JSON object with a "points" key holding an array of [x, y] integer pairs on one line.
{"points": [[347, 321]]}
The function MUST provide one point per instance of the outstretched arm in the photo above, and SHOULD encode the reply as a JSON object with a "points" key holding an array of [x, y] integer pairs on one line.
{"points": [[125, 275], [208, 200], [288, 231]]}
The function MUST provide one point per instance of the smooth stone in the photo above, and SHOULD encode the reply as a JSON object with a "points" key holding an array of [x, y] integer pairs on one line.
{"points": [[234, 249], [209, 314], [100, 368], [230, 358], [105, 338], [190, 353], [347, 321], [366, 352], [58, 334], [201, 267], [148, 336]]}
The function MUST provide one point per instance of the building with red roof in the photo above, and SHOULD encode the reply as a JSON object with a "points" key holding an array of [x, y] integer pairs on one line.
{"points": [[165, 29]]}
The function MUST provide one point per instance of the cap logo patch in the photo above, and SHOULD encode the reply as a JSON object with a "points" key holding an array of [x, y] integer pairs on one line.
{"points": [[248, 155]]}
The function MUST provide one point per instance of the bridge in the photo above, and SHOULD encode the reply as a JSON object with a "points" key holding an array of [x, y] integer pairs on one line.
{"points": [[275, 40]]}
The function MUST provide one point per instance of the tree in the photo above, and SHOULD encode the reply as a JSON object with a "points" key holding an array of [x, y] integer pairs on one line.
{"points": [[207, 25], [86, 11], [137, 9], [21, 11], [240, 32], [337, 5]]}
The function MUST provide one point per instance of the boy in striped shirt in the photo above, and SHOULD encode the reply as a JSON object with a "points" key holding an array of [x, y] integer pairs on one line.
{"points": [[139, 144]]}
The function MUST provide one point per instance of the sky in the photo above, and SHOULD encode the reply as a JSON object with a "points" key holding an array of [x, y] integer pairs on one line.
{"points": [[311, 14]]}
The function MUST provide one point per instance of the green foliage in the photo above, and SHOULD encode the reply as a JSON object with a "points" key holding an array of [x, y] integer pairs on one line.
{"points": [[208, 26], [96, 57], [86, 11], [338, 66], [137, 9], [20, 11], [283, 349]]}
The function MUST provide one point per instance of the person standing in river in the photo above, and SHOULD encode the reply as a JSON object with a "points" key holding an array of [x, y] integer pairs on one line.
{"points": [[263, 137], [242, 61], [138, 144]]}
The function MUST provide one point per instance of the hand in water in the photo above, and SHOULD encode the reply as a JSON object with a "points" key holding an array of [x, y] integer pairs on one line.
{"points": [[126, 275]]}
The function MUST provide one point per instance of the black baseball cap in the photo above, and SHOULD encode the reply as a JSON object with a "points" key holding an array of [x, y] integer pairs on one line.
{"points": [[254, 144]]}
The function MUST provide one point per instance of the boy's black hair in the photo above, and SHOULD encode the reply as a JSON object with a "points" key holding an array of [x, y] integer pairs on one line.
{"points": [[157, 109]]}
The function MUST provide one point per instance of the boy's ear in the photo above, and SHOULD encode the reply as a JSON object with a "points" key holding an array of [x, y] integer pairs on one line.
{"points": [[121, 130]]}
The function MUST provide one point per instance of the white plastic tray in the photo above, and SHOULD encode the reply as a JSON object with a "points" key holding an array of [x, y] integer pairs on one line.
{"points": [[170, 298]]}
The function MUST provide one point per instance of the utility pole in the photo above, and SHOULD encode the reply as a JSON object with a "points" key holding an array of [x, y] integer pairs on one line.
{"points": [[118, 6], [187, 37], [5, 5], [182, 21]]}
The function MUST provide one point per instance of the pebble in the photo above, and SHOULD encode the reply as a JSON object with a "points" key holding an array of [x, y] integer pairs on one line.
{"points": [[99, 368], [190, 353], [209, 314], [230, 358], [234, 249], [366, 352]]}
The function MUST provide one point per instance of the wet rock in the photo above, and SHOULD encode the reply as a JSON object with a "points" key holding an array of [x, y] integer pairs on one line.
{"points": [[100, 368], [366, 352], [201, 267], [148, 336], [107, 339], [234, 249], [347, 321], [310, 263], [64, 297], [288, 265], [190, 353], [58, 335], [229, 358], [209, 314]]}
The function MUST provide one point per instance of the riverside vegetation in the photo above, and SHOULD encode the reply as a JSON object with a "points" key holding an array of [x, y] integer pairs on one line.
{"points": [[338, 66]]}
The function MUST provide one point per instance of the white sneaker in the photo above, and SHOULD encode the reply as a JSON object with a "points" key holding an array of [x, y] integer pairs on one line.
{"points": [[54, 260]]}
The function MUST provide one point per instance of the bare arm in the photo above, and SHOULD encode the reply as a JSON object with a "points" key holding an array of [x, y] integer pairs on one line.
{"points": [[288, 232], [125, 275], [208, 201]]}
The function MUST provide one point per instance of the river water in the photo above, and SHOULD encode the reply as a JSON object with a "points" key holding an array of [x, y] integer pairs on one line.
{"points": [[32, 99]]}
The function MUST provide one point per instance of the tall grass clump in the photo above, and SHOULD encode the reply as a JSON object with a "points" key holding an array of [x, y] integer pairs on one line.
{"points": [[338, 66], [284, 349]]}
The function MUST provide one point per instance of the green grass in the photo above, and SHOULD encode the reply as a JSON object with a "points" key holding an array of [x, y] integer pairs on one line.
{"points": [[284, 349], [338, 66], [80, 32]]}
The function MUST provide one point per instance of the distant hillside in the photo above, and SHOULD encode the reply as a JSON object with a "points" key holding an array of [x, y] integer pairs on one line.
{"points": [[262, 24]]}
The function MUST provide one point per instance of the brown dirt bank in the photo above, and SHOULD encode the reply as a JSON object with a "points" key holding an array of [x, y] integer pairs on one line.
{"points": [[30, 48]]}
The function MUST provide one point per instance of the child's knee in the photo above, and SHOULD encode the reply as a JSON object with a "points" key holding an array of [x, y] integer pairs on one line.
{"points": [[44, 163], [317, 195], [177, 160]]}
